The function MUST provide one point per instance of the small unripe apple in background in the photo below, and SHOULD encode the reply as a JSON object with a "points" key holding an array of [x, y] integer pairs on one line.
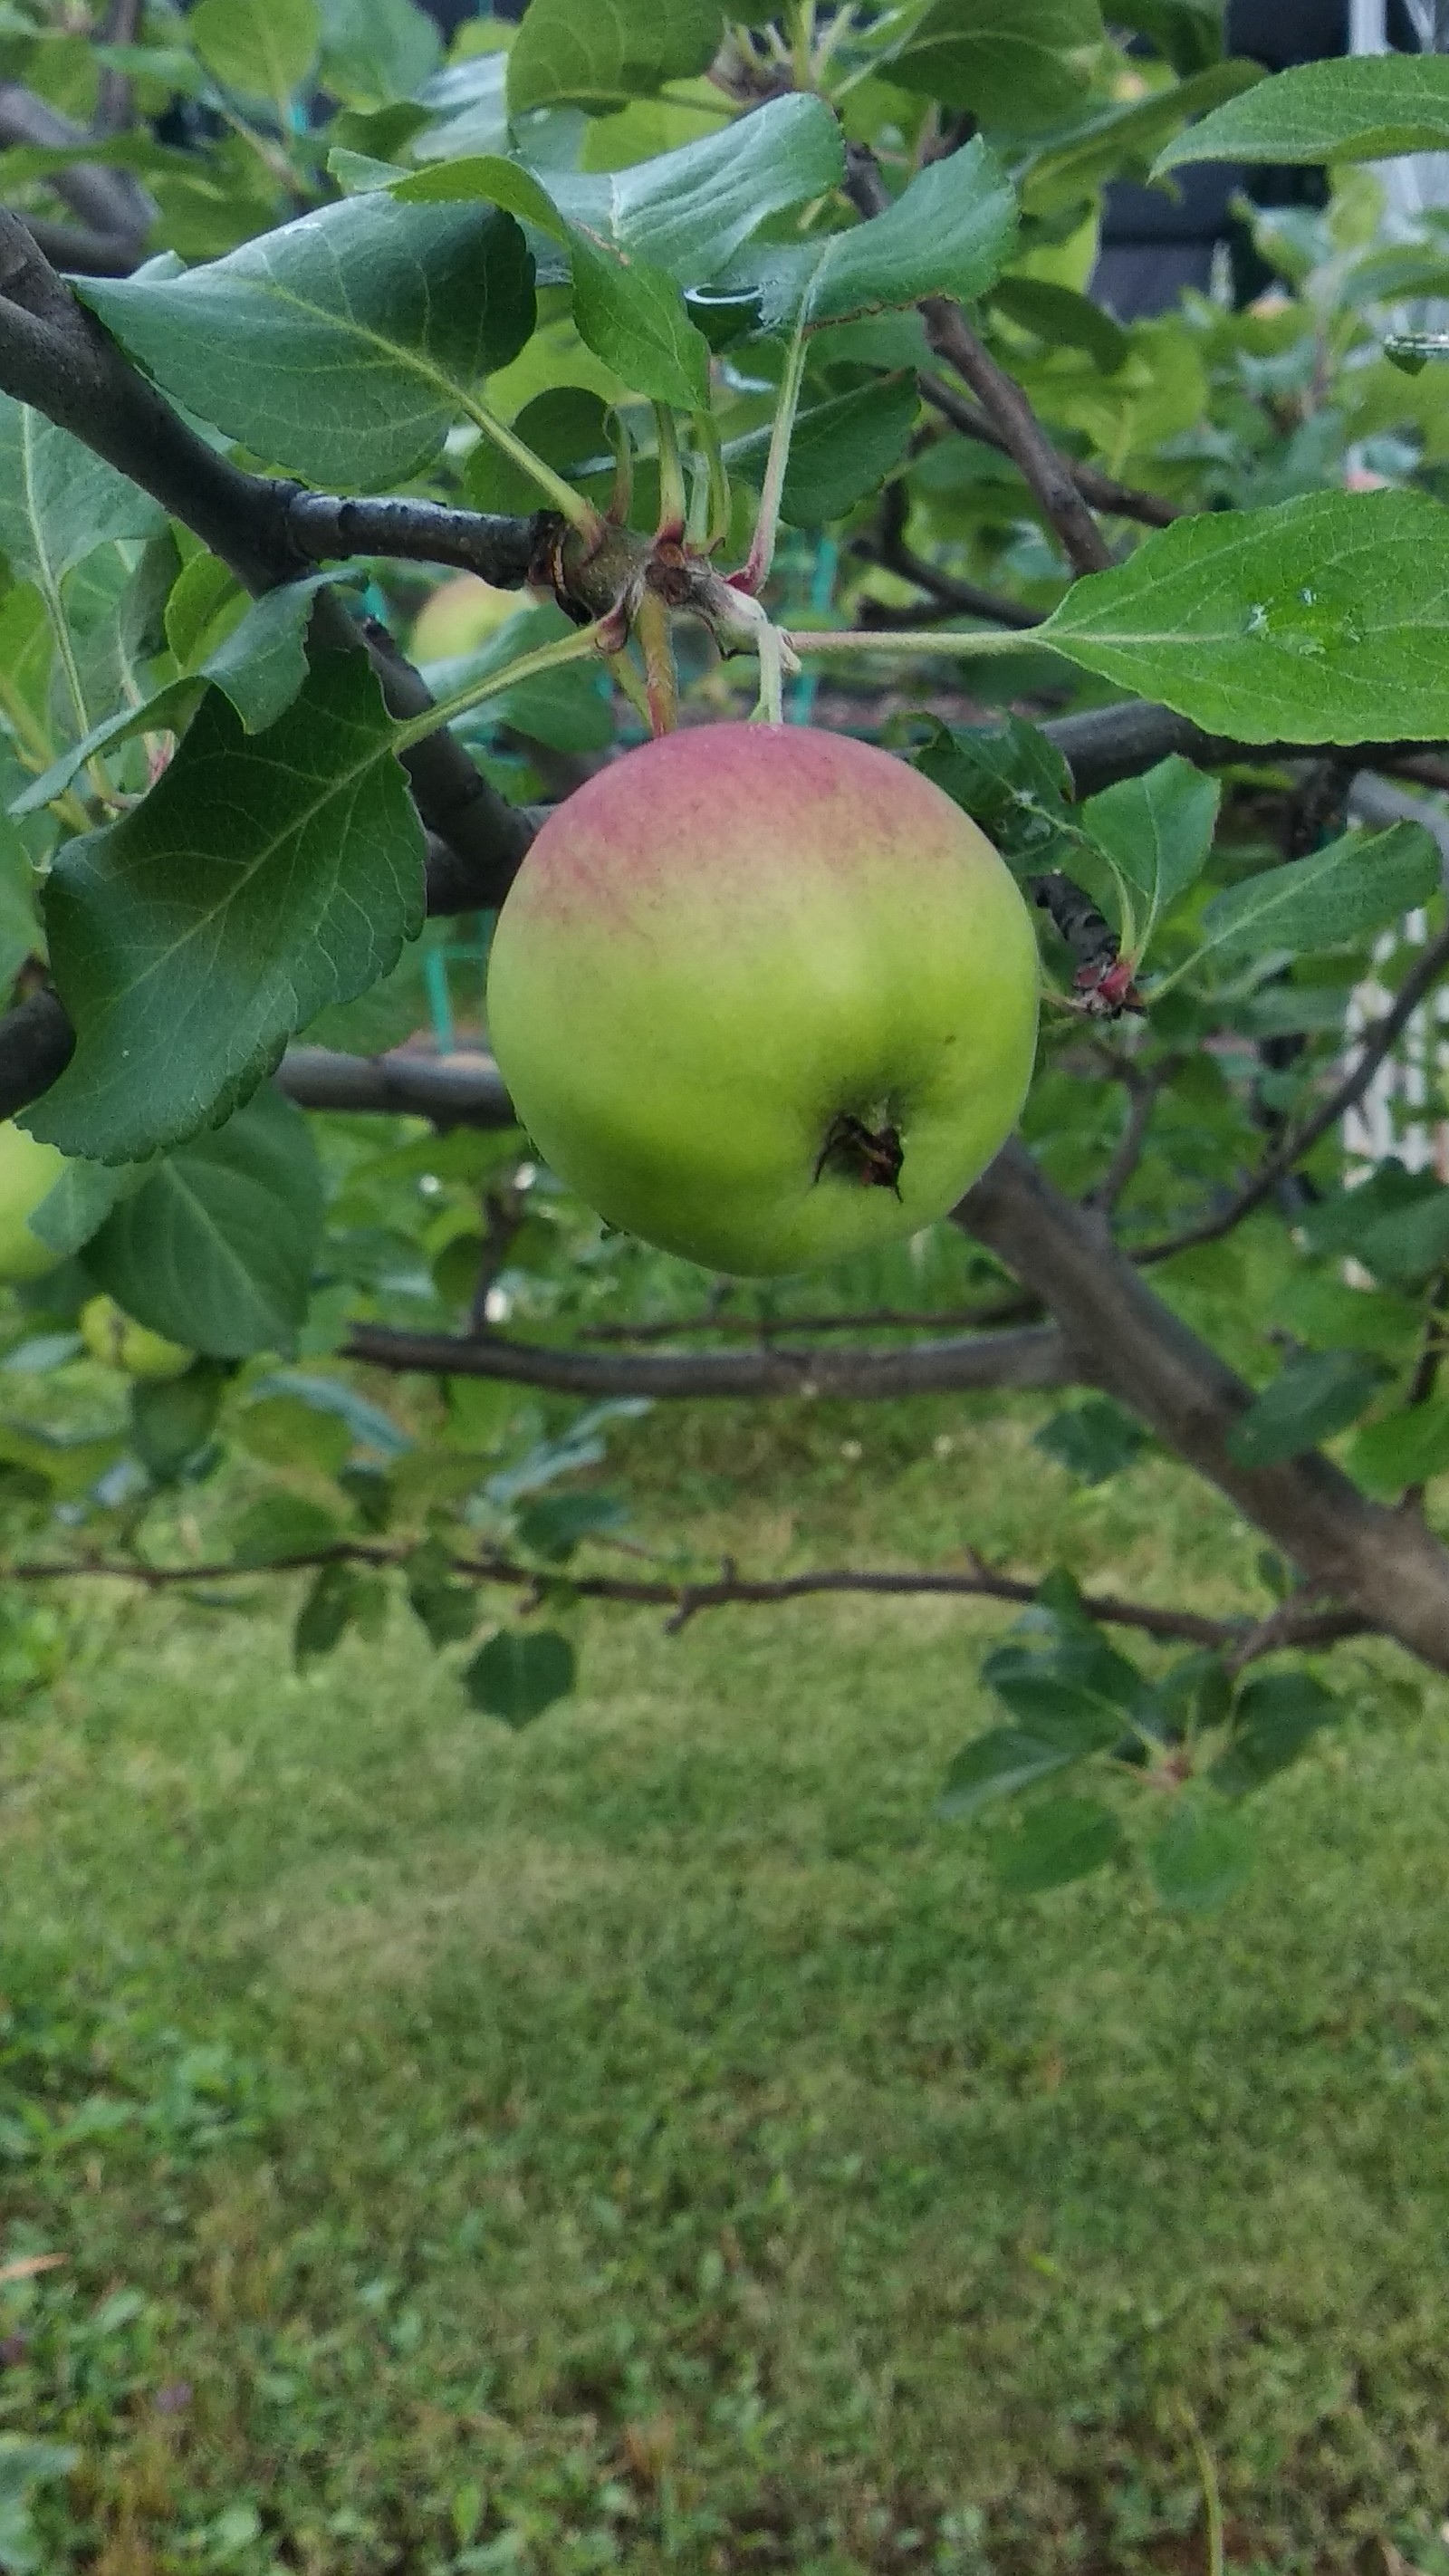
{"points": [[764, 996], [28, 1174], [459, 616], [110, 1334]]}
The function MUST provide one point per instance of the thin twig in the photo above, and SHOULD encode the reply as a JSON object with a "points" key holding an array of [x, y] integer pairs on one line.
{"points": [[1143, 1091], [1374, 1046], [886, 545], [1118, 500], [684, 1600]]}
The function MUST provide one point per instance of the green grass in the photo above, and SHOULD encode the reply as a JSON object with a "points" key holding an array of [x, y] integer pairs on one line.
{"points": [[651, 2141]]}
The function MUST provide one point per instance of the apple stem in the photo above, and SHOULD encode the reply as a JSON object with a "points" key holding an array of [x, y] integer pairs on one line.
{"points": [[755, 571], [549, 657], [661, 678], [573, 505], [622, 670]]}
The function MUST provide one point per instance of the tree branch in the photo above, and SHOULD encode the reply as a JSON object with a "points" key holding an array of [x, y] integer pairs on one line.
{"points": [[1119, 500], [729, 1590], [328, 529], [1025, 1359], [1423, 975], [1386, 1568], [81, 250], [112, 201], [56, 356], [400, 1086], [1000, 397], [887, 547]]}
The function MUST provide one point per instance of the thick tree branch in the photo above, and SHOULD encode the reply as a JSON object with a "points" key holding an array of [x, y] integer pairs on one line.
{"points": [[1025, 1359], [81, 250], [1383, 1566], [55, 356], [1118, 500], [401, 1086], [729, 1590], [329, 529]]}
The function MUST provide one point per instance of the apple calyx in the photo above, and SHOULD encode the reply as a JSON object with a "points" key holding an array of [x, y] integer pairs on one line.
{"points": [[611, 575], [874, 1156]]}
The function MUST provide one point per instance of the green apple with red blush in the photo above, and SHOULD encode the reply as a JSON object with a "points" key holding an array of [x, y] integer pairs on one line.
{"points": [[764, 996]]}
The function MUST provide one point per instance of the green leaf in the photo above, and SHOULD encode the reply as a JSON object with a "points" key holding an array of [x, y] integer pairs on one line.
{"points": [[1063, 319], [1120, 141], [285, 1431], [340, 347], [841, 450], [1009, 778], [690, 210], [1309, 1400], [555, 1524], [264, 48], [598, 54], [1008, 67], [216, 1249], [1406, 1448], [1092, 1441], [281, 1526], [448, 1610], [58, 502], [1201, 1858], [632, 315], [186, 960], [565, 426], [1005, 1760], [951, 232], [1364, 108], [1323, 619], [172, 1419], [340, 1597], [1157, 831], [1276, 1718], [519, 1673], [375, 51], [1187, 33], [79, 1202], [1409, 1243], [1075, 1681], [260, 667], [569, 708], [1334, 895], [1061, 1840]]}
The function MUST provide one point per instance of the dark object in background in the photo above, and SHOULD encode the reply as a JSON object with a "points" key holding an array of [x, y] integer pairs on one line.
{"points": [[1154, 245]]}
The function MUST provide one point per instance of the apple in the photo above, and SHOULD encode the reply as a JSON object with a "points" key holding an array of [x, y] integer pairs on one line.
{"points": [[110, 1334], [28, 1174], [459, 616], [764, 996]]}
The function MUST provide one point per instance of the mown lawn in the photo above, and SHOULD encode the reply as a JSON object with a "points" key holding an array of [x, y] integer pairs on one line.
{"points": [[651, 2140]]}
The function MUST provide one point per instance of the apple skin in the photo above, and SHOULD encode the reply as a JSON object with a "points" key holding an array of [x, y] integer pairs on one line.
{"points": [[110, 1334], [28, 1174], [730, 938]]}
